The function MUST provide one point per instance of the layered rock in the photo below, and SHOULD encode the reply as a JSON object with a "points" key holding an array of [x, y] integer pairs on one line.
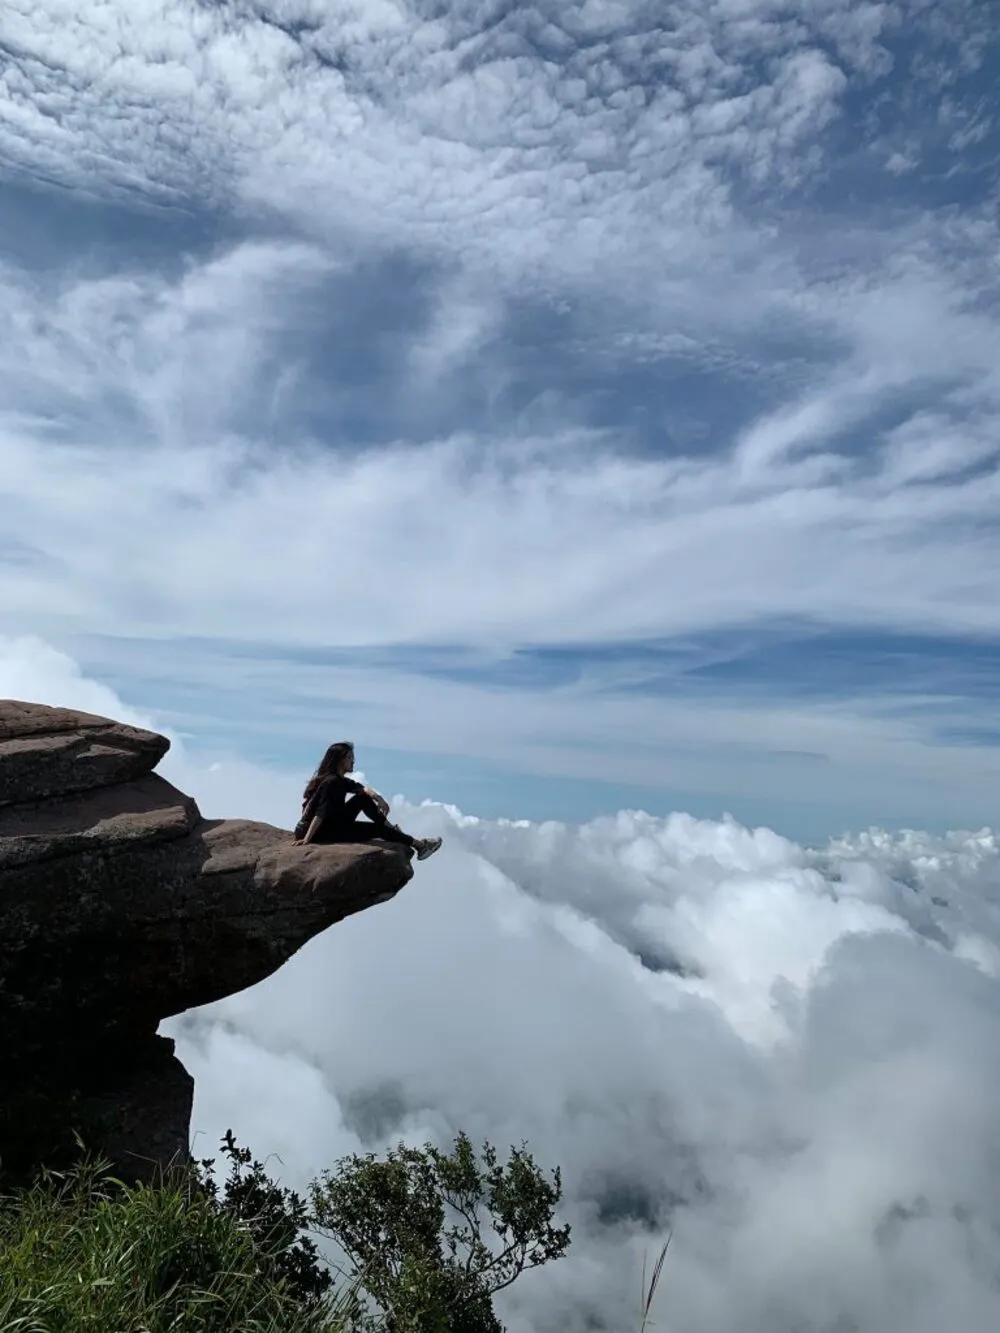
{"points": [[121, 906]]}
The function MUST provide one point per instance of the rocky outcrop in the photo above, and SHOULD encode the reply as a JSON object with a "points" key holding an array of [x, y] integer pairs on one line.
{"points": [[121, 906]]}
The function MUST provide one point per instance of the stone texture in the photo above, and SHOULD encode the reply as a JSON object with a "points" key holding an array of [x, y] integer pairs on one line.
{"points": [[141, 1107], [121, 906], [48, 751]]}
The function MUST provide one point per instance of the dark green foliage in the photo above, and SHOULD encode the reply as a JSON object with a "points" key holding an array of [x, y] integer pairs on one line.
{"points": [[277, 1219], [432, 1236]]}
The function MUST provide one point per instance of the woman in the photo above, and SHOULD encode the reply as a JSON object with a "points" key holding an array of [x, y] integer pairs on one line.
{"points": [[332, 802]]}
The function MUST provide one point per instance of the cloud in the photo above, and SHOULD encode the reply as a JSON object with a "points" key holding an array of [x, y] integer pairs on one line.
{"points": [[528, 139], [549, 537], [504, 123], [804, 1101], [276, 446], [861, 763], [287, 470], [795, 1081]]}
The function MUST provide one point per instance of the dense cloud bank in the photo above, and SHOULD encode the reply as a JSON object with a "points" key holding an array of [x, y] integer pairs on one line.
{"points": [[786, 1055]]}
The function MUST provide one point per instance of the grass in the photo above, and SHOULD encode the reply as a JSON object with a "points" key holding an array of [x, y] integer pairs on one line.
{"points": [[82, 1253], [648, 1291]]}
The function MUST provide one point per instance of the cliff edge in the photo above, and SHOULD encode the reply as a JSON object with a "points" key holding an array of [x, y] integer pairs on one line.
{"points": [[121, 906]]}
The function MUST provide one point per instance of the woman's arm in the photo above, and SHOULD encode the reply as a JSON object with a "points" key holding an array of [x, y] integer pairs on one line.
{"points": [[381, 804], [315, 811], [380, 801], [310, 832]]}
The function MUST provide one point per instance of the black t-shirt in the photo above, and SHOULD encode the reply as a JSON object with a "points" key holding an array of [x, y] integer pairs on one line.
{"points": [[328, 800]]}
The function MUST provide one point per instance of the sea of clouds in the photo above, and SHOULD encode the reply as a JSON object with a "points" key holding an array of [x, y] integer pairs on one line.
{"points": [[785, 1056]]}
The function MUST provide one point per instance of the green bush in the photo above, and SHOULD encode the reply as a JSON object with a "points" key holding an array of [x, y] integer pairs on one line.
{"points": [[430, 1237]]}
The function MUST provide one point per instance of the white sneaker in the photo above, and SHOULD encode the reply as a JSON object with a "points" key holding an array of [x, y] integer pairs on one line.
{"points": [[427, 847]]}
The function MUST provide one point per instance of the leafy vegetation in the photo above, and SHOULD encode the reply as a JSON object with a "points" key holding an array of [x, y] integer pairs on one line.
{"points": [[81, 1252], [432, 1236], [429, 1238]]}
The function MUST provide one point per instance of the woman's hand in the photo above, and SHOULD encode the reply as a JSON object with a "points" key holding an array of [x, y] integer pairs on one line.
{"points": [[380, 801]]}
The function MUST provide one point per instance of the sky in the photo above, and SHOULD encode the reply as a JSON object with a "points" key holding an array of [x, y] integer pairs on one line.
{"points": [[579, 407], [592, 412]]}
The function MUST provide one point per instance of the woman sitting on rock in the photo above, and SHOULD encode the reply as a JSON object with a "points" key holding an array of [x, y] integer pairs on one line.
{"points": [[332, 802]]}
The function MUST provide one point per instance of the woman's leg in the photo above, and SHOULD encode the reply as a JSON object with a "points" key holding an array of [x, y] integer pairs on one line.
{"points": [[358, 804], [362, 803], [361, 831], [348, 829]]}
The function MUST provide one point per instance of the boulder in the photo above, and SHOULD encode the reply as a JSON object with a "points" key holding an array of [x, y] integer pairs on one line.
{"points": [[121, 906], [52, 751]]}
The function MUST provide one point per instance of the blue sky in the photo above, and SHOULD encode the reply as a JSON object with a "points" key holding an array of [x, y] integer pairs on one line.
{"points": [[579, 406]]}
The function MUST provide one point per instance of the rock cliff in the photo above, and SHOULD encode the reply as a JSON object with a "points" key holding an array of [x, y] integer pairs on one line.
{"points": [[121, 906]]}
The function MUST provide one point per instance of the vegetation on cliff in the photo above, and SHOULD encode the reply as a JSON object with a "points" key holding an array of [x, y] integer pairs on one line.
{"points": [[426, 1237]]}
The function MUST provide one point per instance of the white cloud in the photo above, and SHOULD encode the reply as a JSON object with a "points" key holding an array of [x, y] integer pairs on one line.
{"points": [[824, 765], [33, 671], [157, 480], [600, 142], [553, 538], [812, 1109]]}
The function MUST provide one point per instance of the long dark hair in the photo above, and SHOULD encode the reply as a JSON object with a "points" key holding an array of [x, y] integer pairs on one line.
{"points": [[329, 766]]}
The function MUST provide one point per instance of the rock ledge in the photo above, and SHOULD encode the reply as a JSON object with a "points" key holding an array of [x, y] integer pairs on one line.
{"points": [[121, 906]]}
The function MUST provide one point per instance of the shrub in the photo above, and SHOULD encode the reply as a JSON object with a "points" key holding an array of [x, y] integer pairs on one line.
{"points": [[430, 1237]]}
